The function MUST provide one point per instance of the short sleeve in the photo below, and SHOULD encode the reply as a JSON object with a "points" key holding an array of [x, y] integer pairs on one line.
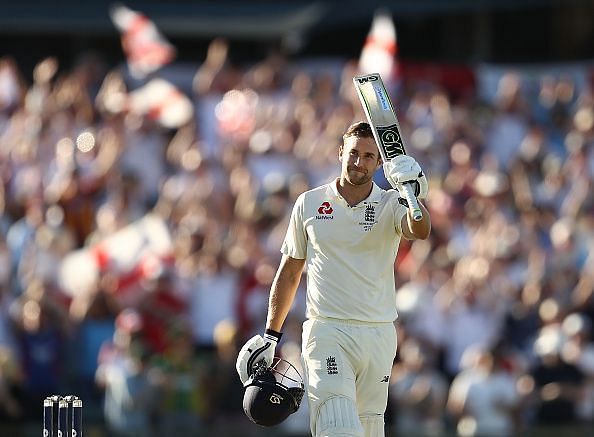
{"points": [[399, 213], [295, 243]]}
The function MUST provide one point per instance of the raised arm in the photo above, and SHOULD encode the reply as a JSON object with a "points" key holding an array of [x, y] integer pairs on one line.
{"points": [[412, 229], [402, 170]]}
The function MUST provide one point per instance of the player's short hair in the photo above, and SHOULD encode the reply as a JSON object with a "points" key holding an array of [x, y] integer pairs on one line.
{"points": [[360, 129]]}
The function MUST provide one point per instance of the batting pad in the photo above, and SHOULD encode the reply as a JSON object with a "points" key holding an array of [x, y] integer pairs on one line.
{"points": [[373, 425], [337, 417]]}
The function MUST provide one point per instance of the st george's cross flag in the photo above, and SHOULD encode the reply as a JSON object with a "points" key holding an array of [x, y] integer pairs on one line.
{"points": [[146, 49], [380, 48]]}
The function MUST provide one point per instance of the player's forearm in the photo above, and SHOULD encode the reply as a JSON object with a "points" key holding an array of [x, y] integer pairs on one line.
{"points": [[282, 291], [420, 229]]}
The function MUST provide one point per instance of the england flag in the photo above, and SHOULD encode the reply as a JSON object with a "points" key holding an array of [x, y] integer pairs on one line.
{"points": [[145, 48], [380, 48]]}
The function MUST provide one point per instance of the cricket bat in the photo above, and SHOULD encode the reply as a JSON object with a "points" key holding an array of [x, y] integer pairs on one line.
{"points": [[386, 129]]}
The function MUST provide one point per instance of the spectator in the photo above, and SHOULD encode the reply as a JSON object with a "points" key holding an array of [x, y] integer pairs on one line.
{"points": [[483, 399], [181, 390], [223, 390], [123, 374], [213, 299], [558, 383], [93, 314], [418, 392], [11, 381], [579, 350], [471, 322], [43, 329]]}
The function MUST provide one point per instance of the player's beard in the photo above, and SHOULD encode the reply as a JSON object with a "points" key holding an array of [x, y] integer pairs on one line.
{"points": [[355, 177]]}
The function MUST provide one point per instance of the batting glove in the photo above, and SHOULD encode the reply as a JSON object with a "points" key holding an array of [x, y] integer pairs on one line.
{"points": [[256, 349], [404, 169]]}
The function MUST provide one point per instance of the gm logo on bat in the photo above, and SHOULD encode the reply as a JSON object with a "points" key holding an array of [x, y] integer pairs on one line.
{"points": [[391, 140]]}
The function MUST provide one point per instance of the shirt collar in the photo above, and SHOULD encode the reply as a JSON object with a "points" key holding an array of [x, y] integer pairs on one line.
{"points": [[374, 196]]}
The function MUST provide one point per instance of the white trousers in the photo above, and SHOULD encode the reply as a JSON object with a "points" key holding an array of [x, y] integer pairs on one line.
{"points": [[347, 366]]}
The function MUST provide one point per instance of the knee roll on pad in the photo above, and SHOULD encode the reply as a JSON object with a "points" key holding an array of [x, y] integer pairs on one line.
{"points": [[373, 425], [338, 417]]}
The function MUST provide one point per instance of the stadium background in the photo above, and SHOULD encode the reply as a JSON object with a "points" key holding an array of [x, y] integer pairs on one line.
{"points": [[495, 98]]}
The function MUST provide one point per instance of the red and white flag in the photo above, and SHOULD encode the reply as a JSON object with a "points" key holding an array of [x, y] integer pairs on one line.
{"points": [[146, 49], [380, 48], [136, 252], [161, 101]]}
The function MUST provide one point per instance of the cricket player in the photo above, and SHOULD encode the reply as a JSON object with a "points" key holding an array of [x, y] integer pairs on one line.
{"points": [[347, 233]]}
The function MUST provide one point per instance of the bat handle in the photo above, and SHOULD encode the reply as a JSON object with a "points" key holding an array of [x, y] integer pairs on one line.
{"points": [[413, 204]]}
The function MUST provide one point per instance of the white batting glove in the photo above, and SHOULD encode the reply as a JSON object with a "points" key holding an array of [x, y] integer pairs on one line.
{"points": [[404, 169], [256, 349]]}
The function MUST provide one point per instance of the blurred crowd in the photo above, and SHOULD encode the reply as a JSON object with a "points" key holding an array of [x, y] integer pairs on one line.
{"points": [[496, 332]]}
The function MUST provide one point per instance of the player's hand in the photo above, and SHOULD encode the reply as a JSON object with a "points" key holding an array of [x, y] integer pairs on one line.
{"points": [[256, 349], [403, 169]]}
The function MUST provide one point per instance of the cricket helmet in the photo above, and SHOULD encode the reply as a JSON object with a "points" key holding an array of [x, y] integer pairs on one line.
{"points": [[272, 393]]}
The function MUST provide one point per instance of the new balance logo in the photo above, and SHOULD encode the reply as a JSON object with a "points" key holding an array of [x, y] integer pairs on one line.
{"points": [[385, 379]]}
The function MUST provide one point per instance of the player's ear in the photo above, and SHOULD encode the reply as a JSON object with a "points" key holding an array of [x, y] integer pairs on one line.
{"points": [[340, 151]]}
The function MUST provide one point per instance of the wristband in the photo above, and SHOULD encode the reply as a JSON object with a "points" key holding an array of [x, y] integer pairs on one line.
{"points": [[276, 336]]}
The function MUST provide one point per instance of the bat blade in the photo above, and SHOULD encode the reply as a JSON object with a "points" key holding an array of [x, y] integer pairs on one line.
{"points": [[382, 118]]}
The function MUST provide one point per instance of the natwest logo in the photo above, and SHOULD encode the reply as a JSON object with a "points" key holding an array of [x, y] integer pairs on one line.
{"points": [[325, 208], [325, 212]]}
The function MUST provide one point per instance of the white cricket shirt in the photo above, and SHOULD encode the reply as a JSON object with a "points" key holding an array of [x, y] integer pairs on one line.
{"points": [[349, 252]]}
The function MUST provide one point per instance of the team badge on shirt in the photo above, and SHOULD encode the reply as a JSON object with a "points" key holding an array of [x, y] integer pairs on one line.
{"points": [[331, 366], [369, 218]]}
